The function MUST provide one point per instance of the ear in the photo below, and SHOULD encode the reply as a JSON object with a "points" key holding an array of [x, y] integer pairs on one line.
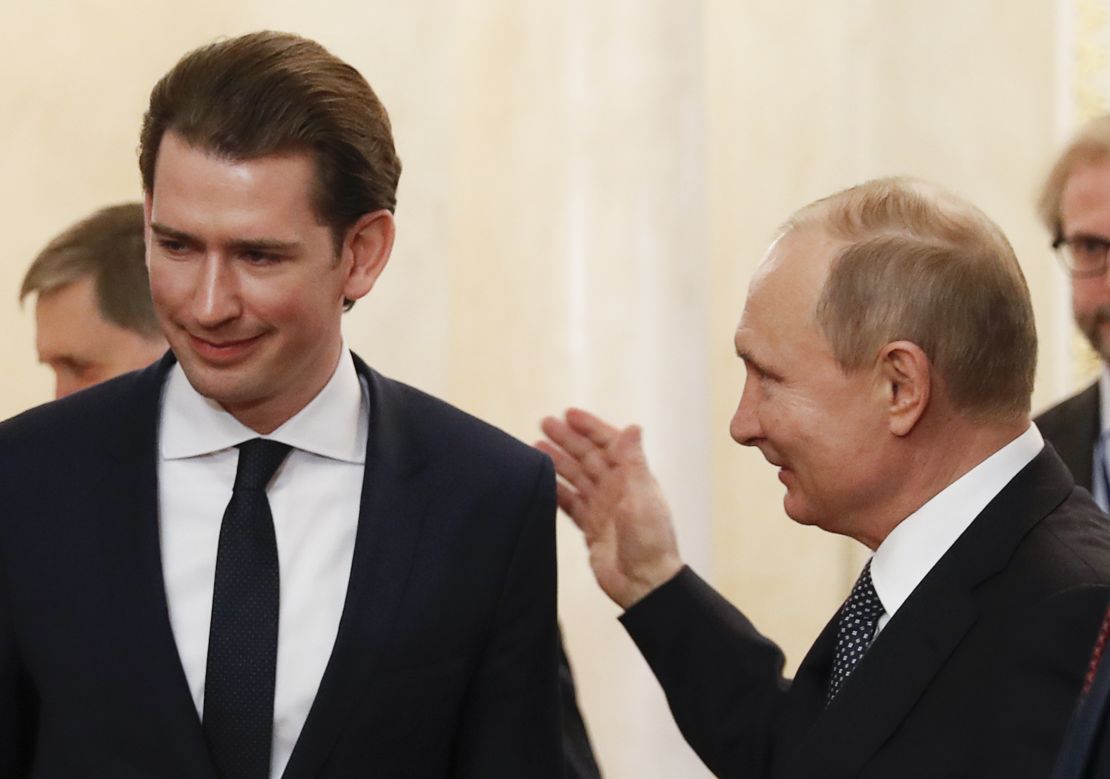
{"points": [[907, 381], [366, 248]]}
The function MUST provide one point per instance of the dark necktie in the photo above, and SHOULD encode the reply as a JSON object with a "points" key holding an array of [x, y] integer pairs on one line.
{"points": [[242, 641], [858, 617]]}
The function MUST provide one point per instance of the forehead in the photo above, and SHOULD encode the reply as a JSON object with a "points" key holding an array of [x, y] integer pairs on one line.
{"points": [[192, 185], [1085, 203], [784, 291], [68, 320]]}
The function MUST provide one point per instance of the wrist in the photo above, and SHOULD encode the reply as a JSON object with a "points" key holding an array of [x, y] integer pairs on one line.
{"points": [[650, 578]]}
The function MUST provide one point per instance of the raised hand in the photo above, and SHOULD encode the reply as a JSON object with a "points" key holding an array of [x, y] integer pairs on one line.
{"points": [[608, 491]]}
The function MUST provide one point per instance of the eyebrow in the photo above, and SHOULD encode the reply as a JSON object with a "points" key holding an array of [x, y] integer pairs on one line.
{"points": [[749, 359], [1085, 236], [253, 244]]}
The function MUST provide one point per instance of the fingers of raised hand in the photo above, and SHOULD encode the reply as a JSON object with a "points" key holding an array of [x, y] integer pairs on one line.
{"points": [[566, 466], [573, 505], [599, 432], [591, 459]]}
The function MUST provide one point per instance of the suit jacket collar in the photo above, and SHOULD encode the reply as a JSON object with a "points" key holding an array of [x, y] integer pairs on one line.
{"points": [[1072, 427], [390, 518], [917, 642]]}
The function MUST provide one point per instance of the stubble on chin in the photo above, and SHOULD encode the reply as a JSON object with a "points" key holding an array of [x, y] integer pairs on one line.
{"points": [[1091, 325]]}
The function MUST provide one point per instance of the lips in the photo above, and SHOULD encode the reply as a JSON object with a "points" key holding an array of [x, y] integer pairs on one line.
{"points": [[223, 352]]}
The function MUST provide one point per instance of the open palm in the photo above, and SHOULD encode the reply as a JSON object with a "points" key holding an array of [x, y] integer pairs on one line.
{"points": [[612, 496]]}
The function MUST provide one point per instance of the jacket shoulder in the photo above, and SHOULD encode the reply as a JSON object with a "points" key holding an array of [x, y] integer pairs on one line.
{"points": [[437, 426], [99, 411]]}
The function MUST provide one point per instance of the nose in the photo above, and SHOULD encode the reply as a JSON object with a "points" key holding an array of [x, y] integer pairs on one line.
{"points": [[216, 297], [745, 428]]}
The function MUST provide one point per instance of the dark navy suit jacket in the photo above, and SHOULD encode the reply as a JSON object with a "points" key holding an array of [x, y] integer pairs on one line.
{"points": [[974, 676], [445, 660]]}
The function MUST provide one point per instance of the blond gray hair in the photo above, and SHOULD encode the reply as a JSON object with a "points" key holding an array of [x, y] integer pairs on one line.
{"points": [[917, 263]]}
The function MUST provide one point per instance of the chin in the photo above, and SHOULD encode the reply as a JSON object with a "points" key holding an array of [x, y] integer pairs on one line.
{"points": [[798, 511], [223, 389]]}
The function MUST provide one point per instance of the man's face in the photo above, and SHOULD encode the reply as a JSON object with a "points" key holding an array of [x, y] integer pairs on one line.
{"points": [[80, 345], [1085, 211], [245, 280], [823, 428]]}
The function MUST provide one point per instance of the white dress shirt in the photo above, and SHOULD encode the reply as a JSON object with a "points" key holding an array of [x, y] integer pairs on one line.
{"points": [[314, 499], [911, 550]]}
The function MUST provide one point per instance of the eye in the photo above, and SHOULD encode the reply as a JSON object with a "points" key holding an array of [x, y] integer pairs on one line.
{"points": [[259, 257], [172, 246], [1090, 245], [1089, 248]]}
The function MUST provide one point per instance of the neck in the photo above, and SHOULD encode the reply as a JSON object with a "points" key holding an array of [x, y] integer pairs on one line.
{"points": [[268, 414], [932, 458]]}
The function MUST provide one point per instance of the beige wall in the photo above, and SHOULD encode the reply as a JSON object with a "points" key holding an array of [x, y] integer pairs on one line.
{"points": [[588, 186]]}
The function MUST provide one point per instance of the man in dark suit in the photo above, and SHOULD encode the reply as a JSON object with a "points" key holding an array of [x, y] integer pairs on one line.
{"points": [[258, 557], [1075, 207], [890, 350]]}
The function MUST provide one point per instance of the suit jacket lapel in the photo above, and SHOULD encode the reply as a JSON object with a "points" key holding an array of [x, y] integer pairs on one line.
{"points": [[894, 673], [128, 510], [392, 512], [1079, 428], [918, 640]]}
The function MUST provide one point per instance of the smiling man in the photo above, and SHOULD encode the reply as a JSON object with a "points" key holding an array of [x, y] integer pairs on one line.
{"points": [[889, 345], [259, 557]]}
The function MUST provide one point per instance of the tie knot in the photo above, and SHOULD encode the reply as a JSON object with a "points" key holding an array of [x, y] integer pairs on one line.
{"points": [[258, 459], [863, 592]]}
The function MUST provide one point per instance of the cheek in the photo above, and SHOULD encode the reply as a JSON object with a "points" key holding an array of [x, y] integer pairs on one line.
{"points": [[1087, 294], [167, 286], [294, 304]]}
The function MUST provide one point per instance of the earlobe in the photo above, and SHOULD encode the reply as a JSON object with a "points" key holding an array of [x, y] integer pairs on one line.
{"points": [[368, 245], [907, 377]]}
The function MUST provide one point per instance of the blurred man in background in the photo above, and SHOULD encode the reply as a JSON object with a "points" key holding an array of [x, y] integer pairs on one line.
{"points": [[93, 315], [1075, 207]]}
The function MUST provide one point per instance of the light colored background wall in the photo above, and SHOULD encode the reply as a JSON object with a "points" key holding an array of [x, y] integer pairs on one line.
{"points": [[588, 186]]}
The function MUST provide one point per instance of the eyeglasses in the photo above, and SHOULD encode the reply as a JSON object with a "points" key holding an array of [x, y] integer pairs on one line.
{"points": [[1084, 256]]}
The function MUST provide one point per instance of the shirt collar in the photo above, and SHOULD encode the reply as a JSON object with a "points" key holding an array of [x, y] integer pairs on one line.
{"points": [[333, 424], [911, 550]]}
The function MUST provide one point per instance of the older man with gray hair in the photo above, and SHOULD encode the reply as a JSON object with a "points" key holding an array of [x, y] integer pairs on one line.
{"points": [[890, 349], [93, 315]]}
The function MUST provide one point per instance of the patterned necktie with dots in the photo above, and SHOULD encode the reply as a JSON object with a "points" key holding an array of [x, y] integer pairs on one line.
{"points": [[858, 617], [242, 641]]}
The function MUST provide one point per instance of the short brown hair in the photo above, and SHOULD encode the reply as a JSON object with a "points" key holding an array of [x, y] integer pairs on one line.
{"points": [[1090, 144], [922, 265], [272, 93], [108, 246]]}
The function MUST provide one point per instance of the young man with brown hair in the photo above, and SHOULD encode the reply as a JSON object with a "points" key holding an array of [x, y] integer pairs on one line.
{"points": [[259, 557]]}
